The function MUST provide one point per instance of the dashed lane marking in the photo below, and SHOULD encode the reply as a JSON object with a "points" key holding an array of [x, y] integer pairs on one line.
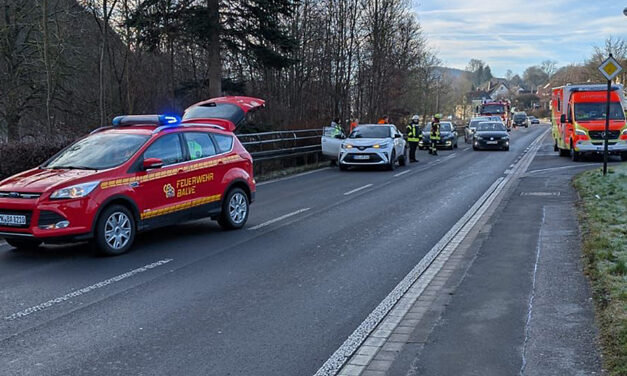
{"points": [[275, 220], [402, 173], [357, 189], [85, 290]]}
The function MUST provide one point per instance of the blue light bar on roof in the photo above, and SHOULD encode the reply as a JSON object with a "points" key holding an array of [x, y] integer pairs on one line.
{"points": [[125, 120]]}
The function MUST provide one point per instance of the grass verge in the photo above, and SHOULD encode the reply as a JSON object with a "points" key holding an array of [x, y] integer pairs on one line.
{"points": [[603, 219]]}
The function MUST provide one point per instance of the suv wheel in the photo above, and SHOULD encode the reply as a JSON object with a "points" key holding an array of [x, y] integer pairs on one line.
{"points": [[115, 231], [402, 161], [234, 210], [392, 165], [23, 244], [574, 155]]}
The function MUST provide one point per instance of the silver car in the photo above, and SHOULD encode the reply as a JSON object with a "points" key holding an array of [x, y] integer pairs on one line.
{"points": [[372, 145]]}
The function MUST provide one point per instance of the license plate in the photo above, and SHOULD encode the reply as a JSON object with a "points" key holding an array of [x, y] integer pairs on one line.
{"points": [[492, 142], [362, 157], [12, 220]]}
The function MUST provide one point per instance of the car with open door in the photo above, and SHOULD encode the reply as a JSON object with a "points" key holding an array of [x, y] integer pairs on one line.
{"points": [[373, 145], [140, 173], [331, 142]]}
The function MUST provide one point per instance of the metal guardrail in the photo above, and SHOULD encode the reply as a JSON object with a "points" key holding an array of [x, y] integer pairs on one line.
{"points": [[281, 144]]}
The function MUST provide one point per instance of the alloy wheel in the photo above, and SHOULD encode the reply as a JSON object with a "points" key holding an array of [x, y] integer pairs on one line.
{"points": [[117, 230]]}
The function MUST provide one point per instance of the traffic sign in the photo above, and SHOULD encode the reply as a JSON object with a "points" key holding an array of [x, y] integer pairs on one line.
{"points": [[610, 68]]}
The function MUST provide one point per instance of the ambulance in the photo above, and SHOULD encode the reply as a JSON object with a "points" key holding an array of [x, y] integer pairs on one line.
{"points": [[578, 114]]}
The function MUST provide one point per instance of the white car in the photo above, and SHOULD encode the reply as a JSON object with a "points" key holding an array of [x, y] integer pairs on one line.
{"points": [[331, 141], [370, 145]]}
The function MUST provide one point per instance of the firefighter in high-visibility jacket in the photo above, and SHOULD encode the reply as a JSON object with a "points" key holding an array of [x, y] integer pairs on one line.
{"points": [[434, 137], [414, 135]]}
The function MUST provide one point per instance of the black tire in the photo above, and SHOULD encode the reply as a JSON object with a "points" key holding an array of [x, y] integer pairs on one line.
{"points": [[475, 148], [506, 148], [392, 165], [115, 231], [575, 156], [23, 244], [343, 167], [235, 210], [402, 160]]}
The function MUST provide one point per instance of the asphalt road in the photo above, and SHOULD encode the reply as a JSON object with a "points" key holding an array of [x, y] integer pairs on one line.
{"points": [[319, 253]]}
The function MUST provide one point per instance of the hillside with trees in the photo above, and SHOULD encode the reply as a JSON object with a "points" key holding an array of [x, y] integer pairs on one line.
{"points": [[67, 66]]}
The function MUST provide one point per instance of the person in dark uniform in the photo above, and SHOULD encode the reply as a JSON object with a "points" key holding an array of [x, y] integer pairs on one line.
{"points": [[435, 134], [414, 134]]}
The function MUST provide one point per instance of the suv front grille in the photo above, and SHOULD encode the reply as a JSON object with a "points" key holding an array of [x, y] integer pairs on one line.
{"points": [[24, 195], [373, 157], [598, 135]]}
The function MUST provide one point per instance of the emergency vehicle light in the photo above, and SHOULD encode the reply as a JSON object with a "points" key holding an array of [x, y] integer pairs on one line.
{"points": [[124, 120]]}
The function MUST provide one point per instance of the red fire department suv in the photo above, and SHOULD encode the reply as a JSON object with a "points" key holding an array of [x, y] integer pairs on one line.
{"points": [[143, 172]]}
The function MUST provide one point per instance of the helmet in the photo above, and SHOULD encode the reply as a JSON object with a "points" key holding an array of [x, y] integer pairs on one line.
{"points": [[415, 118], [437, 116]]}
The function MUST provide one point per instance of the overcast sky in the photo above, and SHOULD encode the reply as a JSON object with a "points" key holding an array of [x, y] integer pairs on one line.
{"points": [[514, 34]]}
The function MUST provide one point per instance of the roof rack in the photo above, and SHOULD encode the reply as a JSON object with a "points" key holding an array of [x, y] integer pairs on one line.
{"points": [[187, 125]]}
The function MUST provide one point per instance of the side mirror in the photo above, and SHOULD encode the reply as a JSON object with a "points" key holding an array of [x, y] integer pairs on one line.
{"points": [[398, 135], [340, 136], [563, 118], [150, 163]]}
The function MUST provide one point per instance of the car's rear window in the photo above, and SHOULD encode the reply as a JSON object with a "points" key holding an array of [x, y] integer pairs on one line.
{"points": [[99, 151]]}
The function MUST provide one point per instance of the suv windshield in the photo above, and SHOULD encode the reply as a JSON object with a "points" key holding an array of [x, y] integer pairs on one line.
{"points": [[444, 127], [376, 131], [596, 111], [98, 152], [520, 116], [475, 122], [490, 127]]}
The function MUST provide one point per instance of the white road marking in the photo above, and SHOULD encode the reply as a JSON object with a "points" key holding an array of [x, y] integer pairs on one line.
{"points": [[337, 360], [357, 189], [561, 168], [275, 220], [85, 290], [292, 176], [468, 148], [401, 173]]}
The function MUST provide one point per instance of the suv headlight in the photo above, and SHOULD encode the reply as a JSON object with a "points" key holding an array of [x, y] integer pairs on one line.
{"points": [[381, 146], [624, 131], [580, 132], [75, 191], [347, 146], [479, 137]]}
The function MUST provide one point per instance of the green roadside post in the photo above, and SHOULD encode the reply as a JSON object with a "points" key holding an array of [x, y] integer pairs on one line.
{"points": [[610, 69]]}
